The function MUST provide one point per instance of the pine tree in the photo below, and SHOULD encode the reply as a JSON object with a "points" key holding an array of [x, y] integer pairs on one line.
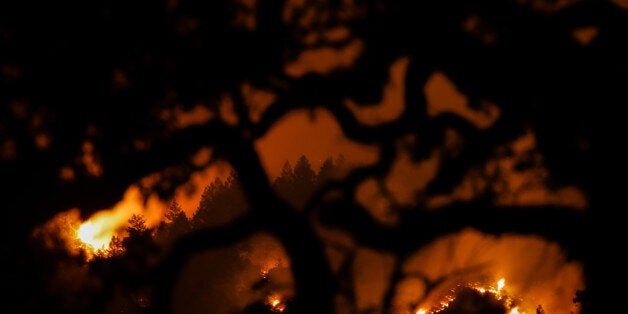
{"points": [[175, 224], [220, 201], [296, 186], [137, 225], [174, 212], [325, 171], [208, 199], [283, 183], [303, 172]]}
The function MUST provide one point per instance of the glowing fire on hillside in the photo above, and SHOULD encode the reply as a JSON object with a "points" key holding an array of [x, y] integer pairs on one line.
{"points": [[552, 284], [497, 293], [276, 299], [95, 236], [96, 233], [92, 236], [537, 271], [276, 304]]}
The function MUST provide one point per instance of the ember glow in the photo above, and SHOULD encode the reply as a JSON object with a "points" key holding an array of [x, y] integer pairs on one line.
{"points": [[497, 292], [92, 235], [95, 234], [500, 284], [536, 273], [276, 304], [265, 274]]}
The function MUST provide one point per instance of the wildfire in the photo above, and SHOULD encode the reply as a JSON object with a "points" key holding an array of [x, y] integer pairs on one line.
{"points": [[90, 234], [276, 304], [265, 274], [67, 230], [496, 292], [96, 233]]}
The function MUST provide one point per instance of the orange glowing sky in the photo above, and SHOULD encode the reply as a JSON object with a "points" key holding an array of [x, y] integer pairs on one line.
{"points": [[317, 135]]}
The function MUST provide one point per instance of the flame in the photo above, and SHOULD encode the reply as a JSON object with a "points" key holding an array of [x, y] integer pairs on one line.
{"points": [[265, 274], [508, 301], [536, 271], [96, 233], [500, 284], [268, 266], [276, 304], [92, 234]]}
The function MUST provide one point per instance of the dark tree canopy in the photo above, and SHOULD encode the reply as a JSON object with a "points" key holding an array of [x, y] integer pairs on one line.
{"points": [[97, 96]]}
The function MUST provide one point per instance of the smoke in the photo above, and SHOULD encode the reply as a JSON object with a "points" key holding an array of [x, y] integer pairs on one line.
{"points": [[517, 175], [64, 229], [316, 135], [264, 252], [67, 230], [212, 281], [408, 177], [536, 271], [443, 96], [55, 232], [324, 60], [189, 194], [391, 105], [226, 280], [371, 277], [63, 274]]}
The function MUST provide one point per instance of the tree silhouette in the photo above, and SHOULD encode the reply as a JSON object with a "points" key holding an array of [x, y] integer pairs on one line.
{"points": [[284, 183], [296, 185], [325, 171], [219, 201], [93, 102]]}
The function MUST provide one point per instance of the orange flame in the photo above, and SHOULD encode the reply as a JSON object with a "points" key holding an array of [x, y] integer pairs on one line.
{"points": [[265, 273], [500, 284], [497, 293], [276, 304], [97, 232], [92, 235]]}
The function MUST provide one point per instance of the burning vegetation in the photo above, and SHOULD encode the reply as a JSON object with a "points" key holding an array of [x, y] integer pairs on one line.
{"points": [[454, 259], [297, 156], [475, 298], [276, 303]]}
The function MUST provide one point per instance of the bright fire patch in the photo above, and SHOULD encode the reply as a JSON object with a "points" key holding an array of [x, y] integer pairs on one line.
{"points": [[497, 292], [88, 233], [96, 234], [276, 304]]}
